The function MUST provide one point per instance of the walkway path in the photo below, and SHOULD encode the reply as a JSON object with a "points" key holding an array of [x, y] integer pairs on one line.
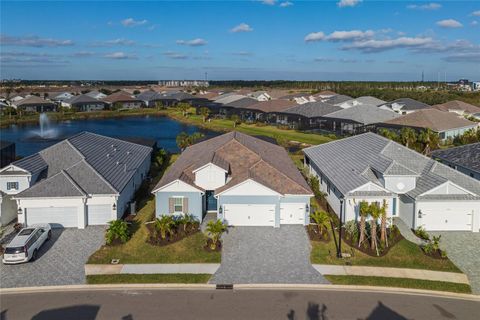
{"points": [[406, 232]]}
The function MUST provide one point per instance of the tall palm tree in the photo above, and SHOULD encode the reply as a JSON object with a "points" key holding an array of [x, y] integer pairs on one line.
{"points": [[408, 136], [383, 225], [375, 214], [184, 107], [205, 112], [236, 120], [182, 140], [321, 219], [363, 211], [430, 140]]}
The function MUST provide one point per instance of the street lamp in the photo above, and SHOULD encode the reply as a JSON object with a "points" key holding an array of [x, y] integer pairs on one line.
{"points": [[339, 252]]}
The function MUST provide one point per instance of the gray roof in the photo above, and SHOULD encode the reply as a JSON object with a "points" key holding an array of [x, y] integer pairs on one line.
{"points": [[241, 103], [313, 109], [408, 104], [94, 164], [338, 98], [352, 162], [467, 156], [83, 98], [366, 100], [364, 114], [228, 98]]}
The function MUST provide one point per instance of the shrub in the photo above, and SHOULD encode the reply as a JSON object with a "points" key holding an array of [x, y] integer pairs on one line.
{"points": [[188, 220], [421, 233], [117, 229], [214, 231], [351, 228], [164, 225], [321, 219]]}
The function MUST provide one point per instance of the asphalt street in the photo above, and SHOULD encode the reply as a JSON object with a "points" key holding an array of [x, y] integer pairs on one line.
{"points": [[232, 304]]}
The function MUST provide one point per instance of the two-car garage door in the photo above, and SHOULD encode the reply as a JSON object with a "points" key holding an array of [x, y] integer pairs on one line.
{"points": [[66, 217], [249, 214]]}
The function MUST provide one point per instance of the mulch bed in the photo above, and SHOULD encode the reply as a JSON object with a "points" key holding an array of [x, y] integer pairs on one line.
{"points": [[207, 247], [365, 247], [178, 234], [315, 235], [437, 254]]}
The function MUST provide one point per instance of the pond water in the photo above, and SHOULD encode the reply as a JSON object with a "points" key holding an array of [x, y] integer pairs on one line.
{"points": [[29, 140]]}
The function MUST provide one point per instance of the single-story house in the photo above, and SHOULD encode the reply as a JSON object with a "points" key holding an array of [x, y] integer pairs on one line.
{"points": [[87, 179], [404, 105], [446, 124], [96, 95], [309, 115], [368, 100], [123, 100], [84, 102], [59, 96], [267, 110], [465, 159], [459, 107], [337, 99], [244, 180], [260, 95], [420, 191], [35, 104]]}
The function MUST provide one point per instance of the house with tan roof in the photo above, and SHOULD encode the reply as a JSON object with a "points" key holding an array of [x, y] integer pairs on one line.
{"points": [[459, 107], [123, 100], [34, 104], [446, 124], [244, 181]]}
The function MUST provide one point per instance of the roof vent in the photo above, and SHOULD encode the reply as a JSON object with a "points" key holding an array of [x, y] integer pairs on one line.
{"points": [[118, 162]]}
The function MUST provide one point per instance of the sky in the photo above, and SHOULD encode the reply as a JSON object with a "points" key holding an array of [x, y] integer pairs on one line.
{"points": [[240, 40]]}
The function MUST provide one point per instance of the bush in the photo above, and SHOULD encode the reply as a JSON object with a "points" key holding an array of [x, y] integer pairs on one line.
{"points": [[421, 233], [351, 229], [117, 230], [165, 225], [214, 231]]}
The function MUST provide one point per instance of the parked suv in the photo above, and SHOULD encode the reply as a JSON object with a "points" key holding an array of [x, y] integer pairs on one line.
{"points": [[24, 247]]}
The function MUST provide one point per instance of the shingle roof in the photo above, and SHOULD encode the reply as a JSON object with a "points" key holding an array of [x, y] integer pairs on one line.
{"points": [[247, 158], [338, 99], [33, 100], [119, 96], [273, 105], [467, 156], [33, 163], [83, 98], [241, 103], [229, 98], [313, 109], [59, 185], [457, 105], [365, 100], [408, 104], [364, 114], [432, 118], [352, 162]]}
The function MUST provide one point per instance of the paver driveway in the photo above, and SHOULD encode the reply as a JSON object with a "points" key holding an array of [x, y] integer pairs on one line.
{"points": [[266, 255], [463, 248], [60, 261]]}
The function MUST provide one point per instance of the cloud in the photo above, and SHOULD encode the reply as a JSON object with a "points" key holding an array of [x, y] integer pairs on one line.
{"points": [[242, 53], [476, 13], [114, 42], [343, 60], [242, 27], [368, 46], [474, 23], [473, 57], [286, 4], [83, 54], [350, 35], [457, 46], [33, 41], [314, 36], [348, 3], [193, 43], [119, 55], [175, 55], [396, 61], [323, 59], [269, 2], [130, 22], [449, 23], [427, 6], [10, 57]]}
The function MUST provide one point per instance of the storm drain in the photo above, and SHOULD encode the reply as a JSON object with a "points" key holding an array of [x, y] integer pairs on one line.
{"points": [[224, 286]]}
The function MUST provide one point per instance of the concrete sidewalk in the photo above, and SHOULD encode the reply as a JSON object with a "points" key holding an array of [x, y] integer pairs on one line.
{"points": [[190, 268], [392, 273]]}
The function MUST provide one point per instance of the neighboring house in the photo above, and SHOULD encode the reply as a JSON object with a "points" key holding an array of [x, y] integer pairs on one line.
{"points": [[465, 158], [244, 180], [325, 94], [311, 115], [299, 98], [446, 124], [123, 100], [365, 100], [420, 191], [229, 98], [84, 103], [337, 99], [34, 104], [87, 179], [7, 153], [96, 95], [267, 110], [16, 99], [60, 96], [260, 95], [404, 106], [459, 107]]}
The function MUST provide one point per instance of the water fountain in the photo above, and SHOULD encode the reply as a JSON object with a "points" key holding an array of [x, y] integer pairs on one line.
{"points": [[46, 132]]}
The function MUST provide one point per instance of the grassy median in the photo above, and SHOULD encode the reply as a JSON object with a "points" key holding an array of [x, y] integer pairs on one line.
{"points": [[148, 278]]}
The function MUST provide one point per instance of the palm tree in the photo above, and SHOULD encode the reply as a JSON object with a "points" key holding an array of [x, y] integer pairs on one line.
{"points": [[363, 209], [182, 140], [375, 214], [321, 219], [164, 225], [188, 220], [184, 107], [383, 225], [214, 231], [205, 112], [236, 120], [408, 136], [430, 140]]}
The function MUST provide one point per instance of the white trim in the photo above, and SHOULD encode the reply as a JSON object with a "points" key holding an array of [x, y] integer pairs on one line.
{"points": [[208, 164], [178, 181], [446, 183], [369, 183], [243, 182], [15, 168], [297, 195]]}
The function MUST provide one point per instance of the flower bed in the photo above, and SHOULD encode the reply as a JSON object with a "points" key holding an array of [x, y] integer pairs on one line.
{"points": [[315, 234], [393, 237], [177, 233]]}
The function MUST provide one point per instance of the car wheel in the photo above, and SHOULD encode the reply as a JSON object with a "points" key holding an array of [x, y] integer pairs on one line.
{"points": [[34, 255], [49, 236]]}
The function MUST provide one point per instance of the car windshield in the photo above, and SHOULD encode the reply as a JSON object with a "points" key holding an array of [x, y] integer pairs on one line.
{"points": [[26, 232], [13, 250]]}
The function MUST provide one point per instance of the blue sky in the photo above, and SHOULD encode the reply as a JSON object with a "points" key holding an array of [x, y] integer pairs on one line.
{"points": [[292, 40]]}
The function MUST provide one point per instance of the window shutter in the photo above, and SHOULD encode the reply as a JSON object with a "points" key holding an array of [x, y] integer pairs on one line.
{"points": [[171, 203], [185, 205]]}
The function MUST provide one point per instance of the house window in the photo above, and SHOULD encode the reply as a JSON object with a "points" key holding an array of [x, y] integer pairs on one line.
{"points": [[321, 178], [12, 185], [328, 187], [178, 204], [394, 207]]}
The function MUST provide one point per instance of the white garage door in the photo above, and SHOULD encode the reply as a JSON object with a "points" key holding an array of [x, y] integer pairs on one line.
{"points": [[292, 213], [63, 217], [99, 214], [250, 214], [442, 216]]}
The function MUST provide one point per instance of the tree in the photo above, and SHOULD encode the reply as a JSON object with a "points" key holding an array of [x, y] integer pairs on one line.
{"points": [[375, 214], [117, 229], [389, 134], [430, 140], [182, 140], [205, 112], [164, 225], [408, 137], [236, 120], [159, 105], [321, 219], [363, 209], [117, 105], [184, 107], [383, 225], [135, 92], [214, 231]]}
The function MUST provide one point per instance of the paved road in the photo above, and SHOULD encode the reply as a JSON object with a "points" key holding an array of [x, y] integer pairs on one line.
{"points": [[236, 304], [266, 255], [60, 261]]}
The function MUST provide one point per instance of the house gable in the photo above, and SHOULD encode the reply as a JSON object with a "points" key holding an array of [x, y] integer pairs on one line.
{"points": [[447, 188], [247, 188], [177, 186], [210, 176]]}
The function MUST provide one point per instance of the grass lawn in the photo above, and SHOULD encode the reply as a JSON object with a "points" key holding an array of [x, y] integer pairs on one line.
{"points": [[404, 254], [252, 129], [148, 278], [400, 283]]}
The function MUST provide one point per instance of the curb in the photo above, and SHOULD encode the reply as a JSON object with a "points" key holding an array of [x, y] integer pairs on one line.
{"points": [[297, 287]]}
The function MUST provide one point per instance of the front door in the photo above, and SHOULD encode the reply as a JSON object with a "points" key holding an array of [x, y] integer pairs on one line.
{"points": [[211, 201]]}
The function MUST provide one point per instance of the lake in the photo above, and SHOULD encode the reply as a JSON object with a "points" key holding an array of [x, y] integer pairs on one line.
{"points": [[162, 129]]}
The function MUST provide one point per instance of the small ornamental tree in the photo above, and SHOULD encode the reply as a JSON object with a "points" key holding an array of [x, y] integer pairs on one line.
{"points": [[117, 229], [215, 229]]}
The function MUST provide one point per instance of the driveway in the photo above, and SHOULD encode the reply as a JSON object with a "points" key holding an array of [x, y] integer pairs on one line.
{"points": [[266, 255], [60, 261], [463, 248]]}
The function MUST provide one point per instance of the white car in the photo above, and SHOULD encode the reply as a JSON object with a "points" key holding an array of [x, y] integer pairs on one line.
{"points": [[24, 247]]}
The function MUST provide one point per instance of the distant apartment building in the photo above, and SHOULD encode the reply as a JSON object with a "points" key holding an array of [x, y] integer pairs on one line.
{"points": [[183, 83]]}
